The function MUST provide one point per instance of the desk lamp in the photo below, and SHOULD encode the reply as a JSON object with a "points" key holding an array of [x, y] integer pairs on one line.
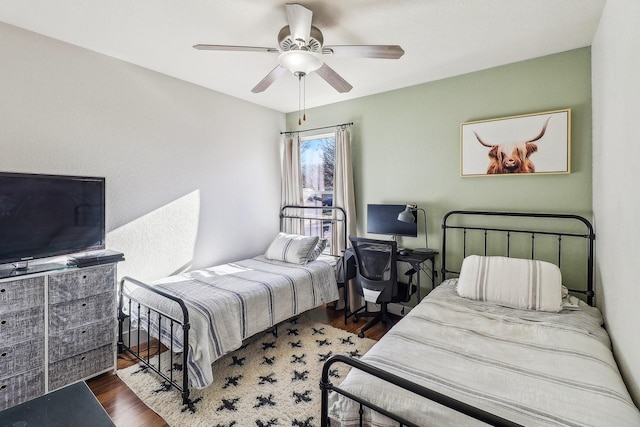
{"points": [[407, 216]]}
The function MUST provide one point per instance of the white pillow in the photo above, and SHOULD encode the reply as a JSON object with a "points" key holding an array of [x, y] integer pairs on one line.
{"points": [[291, 248], [512, 282], [315, 253]]}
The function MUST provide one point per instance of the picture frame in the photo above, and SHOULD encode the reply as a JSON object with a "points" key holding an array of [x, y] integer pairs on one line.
{"points": [[536, 143]]}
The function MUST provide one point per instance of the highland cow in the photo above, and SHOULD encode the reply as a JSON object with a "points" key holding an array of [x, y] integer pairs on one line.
{"points": [[514, 157]]}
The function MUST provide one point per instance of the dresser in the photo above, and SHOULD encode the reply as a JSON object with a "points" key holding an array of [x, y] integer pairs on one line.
{"points": [[56, 327]]}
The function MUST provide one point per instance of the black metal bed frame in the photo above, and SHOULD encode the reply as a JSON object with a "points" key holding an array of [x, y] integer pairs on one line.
{"points": [[325, 383], [331, 215], [586, 234]]}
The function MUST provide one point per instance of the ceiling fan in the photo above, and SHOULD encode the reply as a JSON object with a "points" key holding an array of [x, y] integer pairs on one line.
{"points": [[301, 51]]}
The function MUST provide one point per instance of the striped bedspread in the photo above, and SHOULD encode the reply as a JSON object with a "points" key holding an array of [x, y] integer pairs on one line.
{"points": [[231, 302], [533, 368]]}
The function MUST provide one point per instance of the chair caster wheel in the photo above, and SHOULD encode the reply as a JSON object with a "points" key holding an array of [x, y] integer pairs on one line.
{"points": [[361, 334]]}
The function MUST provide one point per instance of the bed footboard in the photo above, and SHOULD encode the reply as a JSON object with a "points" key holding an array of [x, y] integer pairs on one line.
{"points": [[326, 387], [133, 305]]}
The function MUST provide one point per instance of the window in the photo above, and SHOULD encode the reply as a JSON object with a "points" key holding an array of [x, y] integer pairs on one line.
{"points": [[317, 161], [317, 158]]}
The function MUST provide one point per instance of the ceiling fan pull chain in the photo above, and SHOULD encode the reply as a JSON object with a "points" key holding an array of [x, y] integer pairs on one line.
{"points": [[304, 99], [299, 97]]}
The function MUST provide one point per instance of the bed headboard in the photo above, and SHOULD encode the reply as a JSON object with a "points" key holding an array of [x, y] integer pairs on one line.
{"points": [[562, 239], [325, 221]]}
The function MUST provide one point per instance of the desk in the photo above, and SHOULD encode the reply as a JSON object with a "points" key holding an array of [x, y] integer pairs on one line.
{"points": [[71, 406], [413, 258]]}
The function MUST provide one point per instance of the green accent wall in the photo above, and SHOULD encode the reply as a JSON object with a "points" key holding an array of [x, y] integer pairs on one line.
{"points": [[406, 142]]}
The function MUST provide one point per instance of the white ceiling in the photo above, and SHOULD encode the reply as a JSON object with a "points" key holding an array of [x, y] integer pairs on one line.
{"points": [[441, 38]]}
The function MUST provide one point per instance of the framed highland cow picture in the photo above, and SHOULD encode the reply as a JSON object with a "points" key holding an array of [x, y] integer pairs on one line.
{"points": [[538, 143]]}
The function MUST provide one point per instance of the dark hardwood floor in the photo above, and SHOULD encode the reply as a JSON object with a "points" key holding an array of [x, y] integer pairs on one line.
{"points": [[127, 410]]}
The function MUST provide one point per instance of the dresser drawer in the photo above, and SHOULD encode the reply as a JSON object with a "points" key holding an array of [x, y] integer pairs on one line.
{"points": [[22, 325], [66, 315], [22, 387], [21, 294], [80, 366], [78, 340], [22, 357], [76, 284]]}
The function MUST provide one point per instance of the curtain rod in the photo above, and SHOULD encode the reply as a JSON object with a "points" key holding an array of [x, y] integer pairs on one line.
{"points": [[320, 128]]}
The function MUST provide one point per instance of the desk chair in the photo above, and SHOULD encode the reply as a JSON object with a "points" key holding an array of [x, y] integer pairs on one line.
{"points": [[377, 277]]}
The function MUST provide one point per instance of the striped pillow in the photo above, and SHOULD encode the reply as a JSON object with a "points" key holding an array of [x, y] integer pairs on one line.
{"points": [[291, 248], [511, 282], [315, 253]]}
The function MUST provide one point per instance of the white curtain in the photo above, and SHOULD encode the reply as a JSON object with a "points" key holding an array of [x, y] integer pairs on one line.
{"points": [[343, 191], [344, 196], [291, 179]]}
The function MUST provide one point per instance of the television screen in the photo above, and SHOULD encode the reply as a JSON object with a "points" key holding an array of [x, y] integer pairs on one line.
{"points": [[383, 219], [49, 215]]}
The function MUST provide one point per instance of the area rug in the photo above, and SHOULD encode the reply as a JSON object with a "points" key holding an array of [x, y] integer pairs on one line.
{"points": [[271, 381]]}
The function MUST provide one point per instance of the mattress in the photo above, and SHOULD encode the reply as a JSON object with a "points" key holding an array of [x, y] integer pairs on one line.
{"points": [[231, 302], [533, 368]]}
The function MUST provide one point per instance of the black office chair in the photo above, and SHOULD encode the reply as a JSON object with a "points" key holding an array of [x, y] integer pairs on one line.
{"points": [[377, 277]]}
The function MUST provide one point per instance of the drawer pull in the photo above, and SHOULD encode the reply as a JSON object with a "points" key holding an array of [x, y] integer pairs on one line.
{"points": [[2, 290], [4, 322], [4, 354], [83, 357], [84, 277], [3, 386], [84, 332], [84, 304]]}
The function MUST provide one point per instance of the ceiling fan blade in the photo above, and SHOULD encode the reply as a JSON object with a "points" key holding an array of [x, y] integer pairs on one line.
{"points": [[366, 51], [269, 79], [235, 48], [334, 79], [299, 18]]}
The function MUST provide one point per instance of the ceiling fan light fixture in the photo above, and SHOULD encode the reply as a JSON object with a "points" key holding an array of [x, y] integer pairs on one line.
{"points": [[300, 61]]}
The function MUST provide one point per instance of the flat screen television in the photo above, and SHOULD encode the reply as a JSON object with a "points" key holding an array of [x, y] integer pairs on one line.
{"points": [[383, 219], [49, 215]]}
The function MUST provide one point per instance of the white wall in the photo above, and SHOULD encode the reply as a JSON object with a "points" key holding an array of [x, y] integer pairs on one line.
{"points": [[616, 194], [192, 175]]}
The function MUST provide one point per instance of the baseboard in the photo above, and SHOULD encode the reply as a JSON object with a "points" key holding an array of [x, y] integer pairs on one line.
{"points": [[398, 309], [132, 339]]}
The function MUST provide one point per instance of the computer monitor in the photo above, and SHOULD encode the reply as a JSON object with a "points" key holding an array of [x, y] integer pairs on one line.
{"points": [[383, 219]]}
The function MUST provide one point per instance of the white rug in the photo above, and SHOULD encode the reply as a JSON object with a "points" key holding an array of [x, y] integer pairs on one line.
{"points": [[268, 382]]}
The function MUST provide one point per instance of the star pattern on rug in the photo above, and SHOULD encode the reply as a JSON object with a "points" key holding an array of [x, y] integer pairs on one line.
{"points": [[228, 405], [190, 406], [297, 344], [268, 360], [299, 359], [267, 379], [300, 376], [239, 361], [323, 357], [232, 381], [347, 340], [269, 423], [267, 345], [304, 423], [264, 401], [302, 397], [323, 343]]}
